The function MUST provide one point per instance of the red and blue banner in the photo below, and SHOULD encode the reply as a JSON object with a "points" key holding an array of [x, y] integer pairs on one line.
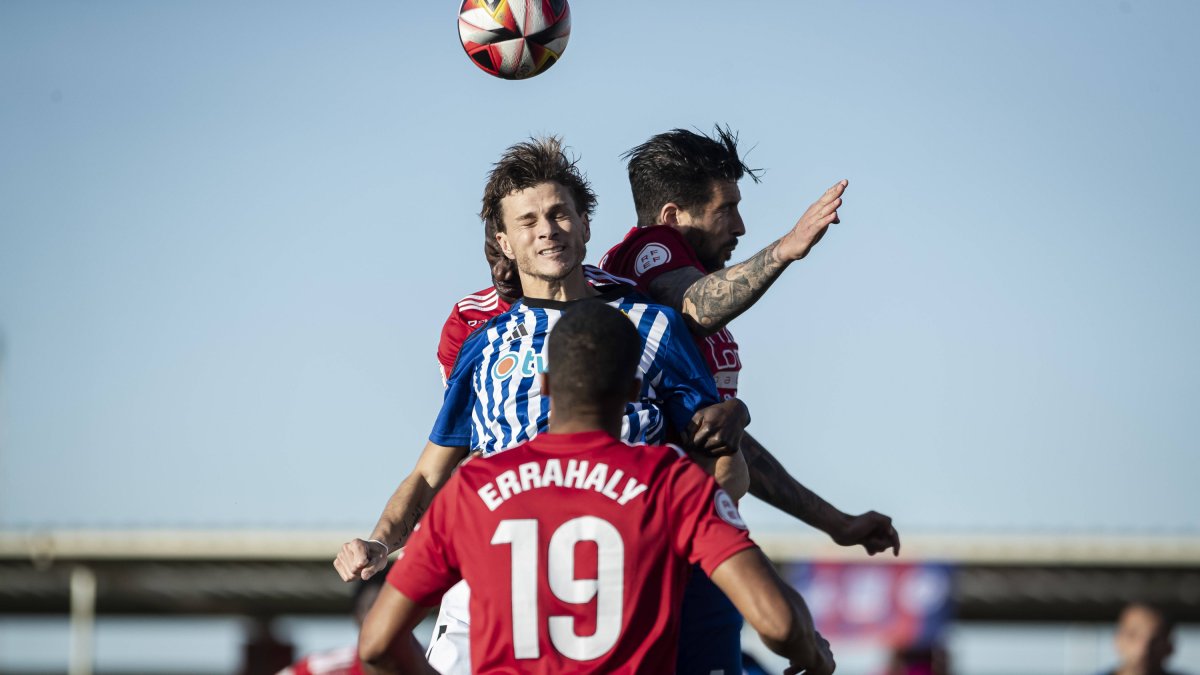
{"points": [[894, 604]]}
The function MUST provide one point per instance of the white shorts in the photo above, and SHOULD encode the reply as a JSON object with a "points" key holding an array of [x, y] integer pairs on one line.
{"points": [[450, 646]]}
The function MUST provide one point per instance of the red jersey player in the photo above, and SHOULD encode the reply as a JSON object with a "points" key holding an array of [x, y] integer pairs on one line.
{"points": [[685, 189], [576, 545]]}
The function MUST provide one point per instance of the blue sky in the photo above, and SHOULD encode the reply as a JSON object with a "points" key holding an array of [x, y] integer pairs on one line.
{"points": [[229, 234]]}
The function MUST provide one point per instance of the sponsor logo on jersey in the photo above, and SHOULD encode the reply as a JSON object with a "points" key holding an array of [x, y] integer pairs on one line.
{"points": [[651, 256], [728, 510], [526, 363]]}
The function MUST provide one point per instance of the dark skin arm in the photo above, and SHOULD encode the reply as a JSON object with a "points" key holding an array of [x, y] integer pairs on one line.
{"points": [[386, 643], [770, 482], [774, 609]]}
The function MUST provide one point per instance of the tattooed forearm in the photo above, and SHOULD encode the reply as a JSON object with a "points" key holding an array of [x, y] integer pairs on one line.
{"points": [[716, 299], [407, 525], [405, 508], [770, 482]]}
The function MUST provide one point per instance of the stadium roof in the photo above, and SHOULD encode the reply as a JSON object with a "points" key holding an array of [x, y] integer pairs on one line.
{"points": [[264, 574]]}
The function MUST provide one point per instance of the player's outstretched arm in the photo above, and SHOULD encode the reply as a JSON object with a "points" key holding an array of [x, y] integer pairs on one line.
{"points": [[775, 610], [386, 643], [362, 558], [771, 482], [710, 301]]}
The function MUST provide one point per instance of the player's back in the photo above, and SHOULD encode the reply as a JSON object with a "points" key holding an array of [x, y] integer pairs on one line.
{"points": [[577, 548]]}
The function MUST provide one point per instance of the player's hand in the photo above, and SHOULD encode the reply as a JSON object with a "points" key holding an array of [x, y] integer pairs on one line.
{"points": [[717, 430], [360, 559], [822, 661], [871, 529], [812, 225]]}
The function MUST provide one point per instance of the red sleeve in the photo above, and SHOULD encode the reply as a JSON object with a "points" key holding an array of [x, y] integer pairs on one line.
{"points": [[428, 565], [454, 331], [649, 252], [705, 521]]}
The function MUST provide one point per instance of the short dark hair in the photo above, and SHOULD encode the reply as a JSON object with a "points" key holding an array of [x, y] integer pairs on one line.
{"points": [[593, 353], [679, 166], [530, 163]]}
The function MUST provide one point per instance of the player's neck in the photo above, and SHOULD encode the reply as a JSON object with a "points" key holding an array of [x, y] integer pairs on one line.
{"points": [[574, 286], [580, 422]]}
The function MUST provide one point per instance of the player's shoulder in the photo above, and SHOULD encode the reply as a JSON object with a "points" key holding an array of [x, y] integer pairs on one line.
{"points": [[640, 306], [481, 334], [650, 240], [597, 277], [646, 252], [475, 308], [662, 234]]}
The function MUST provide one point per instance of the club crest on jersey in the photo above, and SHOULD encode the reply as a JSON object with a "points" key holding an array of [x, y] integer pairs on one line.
{"points": [[526, 363], [651, 256], [728, 510]]}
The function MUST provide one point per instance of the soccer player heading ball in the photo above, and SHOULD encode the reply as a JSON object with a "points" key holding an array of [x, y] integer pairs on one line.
{"points": [[538, 204], [576, 545]]}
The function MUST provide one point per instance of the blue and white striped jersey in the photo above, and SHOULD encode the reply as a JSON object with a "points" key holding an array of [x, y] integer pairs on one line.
{"points": [[494, 396]]}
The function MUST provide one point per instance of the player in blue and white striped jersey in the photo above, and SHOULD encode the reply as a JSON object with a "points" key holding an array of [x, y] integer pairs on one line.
{"points": [[494, 396]]}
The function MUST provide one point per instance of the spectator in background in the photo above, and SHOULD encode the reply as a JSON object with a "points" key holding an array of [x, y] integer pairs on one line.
{"points": [[1143, 640]]}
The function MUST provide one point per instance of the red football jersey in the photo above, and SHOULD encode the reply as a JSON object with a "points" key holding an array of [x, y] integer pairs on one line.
{"points": [[468, 314], [649, 252], [576, 548]]}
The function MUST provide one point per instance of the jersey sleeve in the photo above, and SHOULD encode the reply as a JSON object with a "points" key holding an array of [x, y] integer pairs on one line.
{"points": [[648, 253], [428, 565], [705, 524], [453, 425], [454, 331], [685, 382]]}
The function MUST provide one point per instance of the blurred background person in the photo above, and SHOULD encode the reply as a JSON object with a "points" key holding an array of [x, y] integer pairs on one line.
{"points": [[1143, 641]]}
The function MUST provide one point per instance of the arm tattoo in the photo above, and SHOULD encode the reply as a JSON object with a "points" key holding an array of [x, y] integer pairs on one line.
{"points": [[408, 524], [718, 298], [770, 482]]}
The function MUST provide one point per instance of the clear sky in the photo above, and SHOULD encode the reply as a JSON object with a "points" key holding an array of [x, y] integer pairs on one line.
{"points": [[230, 232]]}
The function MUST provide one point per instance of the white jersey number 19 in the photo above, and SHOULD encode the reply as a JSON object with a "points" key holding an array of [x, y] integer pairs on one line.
{"points": [[607, 588]]}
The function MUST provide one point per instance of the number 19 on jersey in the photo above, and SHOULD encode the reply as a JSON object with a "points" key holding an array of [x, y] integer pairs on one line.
{"points": [[607, 588]]}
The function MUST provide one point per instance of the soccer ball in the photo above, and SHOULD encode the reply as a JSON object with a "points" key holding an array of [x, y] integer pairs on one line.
{"points": [[514, 39]]}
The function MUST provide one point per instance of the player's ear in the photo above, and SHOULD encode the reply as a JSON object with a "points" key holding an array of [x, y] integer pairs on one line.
{"points": [[635, 390], [669, 214], [545, 384], [587, 229], [505, 248]]}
